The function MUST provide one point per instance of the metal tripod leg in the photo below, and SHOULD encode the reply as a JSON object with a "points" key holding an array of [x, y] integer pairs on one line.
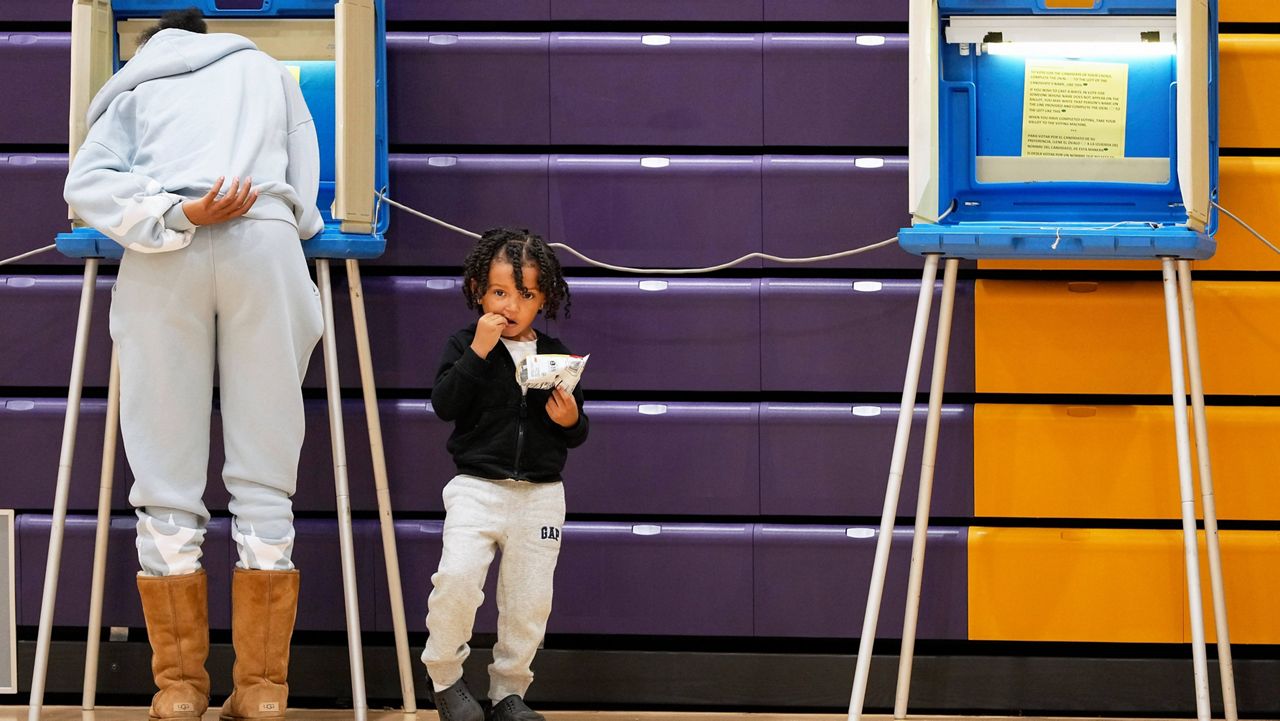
{"points": [[106, 483], [885, 538], [40, 673], [1190, 544], [926, 486], [359, 704], [383, 488], [1206, 491]]}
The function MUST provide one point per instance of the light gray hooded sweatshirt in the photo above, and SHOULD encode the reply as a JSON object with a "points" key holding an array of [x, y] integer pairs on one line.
{"points": [[186, 110]]}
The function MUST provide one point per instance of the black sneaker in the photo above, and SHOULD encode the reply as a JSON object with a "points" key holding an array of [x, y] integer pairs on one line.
{"points": [[513, 708], [456, 702]]}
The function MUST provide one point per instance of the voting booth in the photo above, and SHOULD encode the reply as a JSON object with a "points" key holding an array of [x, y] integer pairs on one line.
{"points": [[1060, 130]]}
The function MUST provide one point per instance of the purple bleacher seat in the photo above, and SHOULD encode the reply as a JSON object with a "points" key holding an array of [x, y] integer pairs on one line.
{"points": [[667, 579], [413, 440], [31, 444], [827, 459], [813, 581], [835, 90], [120, 602], [486, 10], [836, 10], [410, 318], [476, 192], [822, 204], [32, 185], [317, 555], [635, 89], [853, 335], [468, 88], [687, 459], [35, 11], [35, 80], [418, 545], [667, 212], [37, 333], [693, 10], [665, 335]]}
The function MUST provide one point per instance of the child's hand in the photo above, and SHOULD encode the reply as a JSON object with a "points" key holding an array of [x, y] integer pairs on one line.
{"points": [[563, 408], [488, 330]]}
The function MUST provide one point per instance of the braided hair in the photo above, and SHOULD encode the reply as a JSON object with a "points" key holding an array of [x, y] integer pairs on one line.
{"points": [[519, 248], [191, 20]]}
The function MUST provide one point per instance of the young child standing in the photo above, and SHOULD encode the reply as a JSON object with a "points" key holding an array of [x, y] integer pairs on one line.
{"points": [[509, 447]]}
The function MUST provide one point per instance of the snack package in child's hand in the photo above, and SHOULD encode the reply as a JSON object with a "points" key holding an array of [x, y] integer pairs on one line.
{"points": [[549, 370]]}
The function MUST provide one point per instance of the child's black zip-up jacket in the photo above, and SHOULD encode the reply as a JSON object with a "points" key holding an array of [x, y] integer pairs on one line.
{"points": [[499, 433]]}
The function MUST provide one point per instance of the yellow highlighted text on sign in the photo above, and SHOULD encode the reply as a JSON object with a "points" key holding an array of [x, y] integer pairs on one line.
{"points": [[1074, 109]]}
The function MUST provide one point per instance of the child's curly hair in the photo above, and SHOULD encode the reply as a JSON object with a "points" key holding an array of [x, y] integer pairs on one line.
{"points": [[517, 247]]}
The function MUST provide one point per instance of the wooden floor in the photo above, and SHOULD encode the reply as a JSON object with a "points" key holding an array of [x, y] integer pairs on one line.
{"points": [[63, 713]]}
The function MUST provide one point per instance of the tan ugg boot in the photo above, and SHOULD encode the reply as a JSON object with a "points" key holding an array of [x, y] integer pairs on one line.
{"points": [[177, 613], [264, 605]]}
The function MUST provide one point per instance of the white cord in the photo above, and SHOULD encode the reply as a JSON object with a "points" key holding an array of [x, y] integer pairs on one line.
{"points": [[28, 254], [730, 264], [424, 216], [658, 271], [1245, 225]]}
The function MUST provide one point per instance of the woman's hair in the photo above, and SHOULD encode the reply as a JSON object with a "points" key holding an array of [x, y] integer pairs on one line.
{"points": [[191, 20], [517, 247]]}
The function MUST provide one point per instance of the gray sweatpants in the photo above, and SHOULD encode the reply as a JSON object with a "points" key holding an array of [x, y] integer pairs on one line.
{"points": [[239, 297], [524, 521]]}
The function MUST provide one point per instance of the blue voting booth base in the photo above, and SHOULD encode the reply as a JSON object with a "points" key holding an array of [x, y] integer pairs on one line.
{"points": [[980, 111]]}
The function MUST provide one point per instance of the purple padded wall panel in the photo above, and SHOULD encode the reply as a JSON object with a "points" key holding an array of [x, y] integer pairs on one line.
{"points": [[853, 336], [401, 10], [35, 81], [817, 205], [833, 90], [468, 88], [38, 330], [31, 443], [847, 476], [813, 580], [34, 183], [410, 318], [836, 10], [667, 459], [634, 89], [414, 442], [656, 212], [35, 11], [673, 579], [120, 603], [418, 545], [476, 192], [665, 335], [704, 10], [316, 554]]}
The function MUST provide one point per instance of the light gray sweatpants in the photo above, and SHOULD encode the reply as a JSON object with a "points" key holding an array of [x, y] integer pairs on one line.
{"points": [[524, 521], [239, 297]]}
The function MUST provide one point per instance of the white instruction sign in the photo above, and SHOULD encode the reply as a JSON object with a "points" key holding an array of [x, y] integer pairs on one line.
{"points": [[1074, 109]]}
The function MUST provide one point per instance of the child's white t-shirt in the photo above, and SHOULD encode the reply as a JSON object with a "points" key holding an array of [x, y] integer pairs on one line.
{"points": [[520, 349]]}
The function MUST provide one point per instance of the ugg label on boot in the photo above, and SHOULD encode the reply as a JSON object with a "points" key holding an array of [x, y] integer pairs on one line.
{"points": [[269, 706], [184, 706]]}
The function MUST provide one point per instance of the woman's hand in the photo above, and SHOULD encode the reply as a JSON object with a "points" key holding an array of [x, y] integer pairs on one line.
{"points": [[210, 209]]}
